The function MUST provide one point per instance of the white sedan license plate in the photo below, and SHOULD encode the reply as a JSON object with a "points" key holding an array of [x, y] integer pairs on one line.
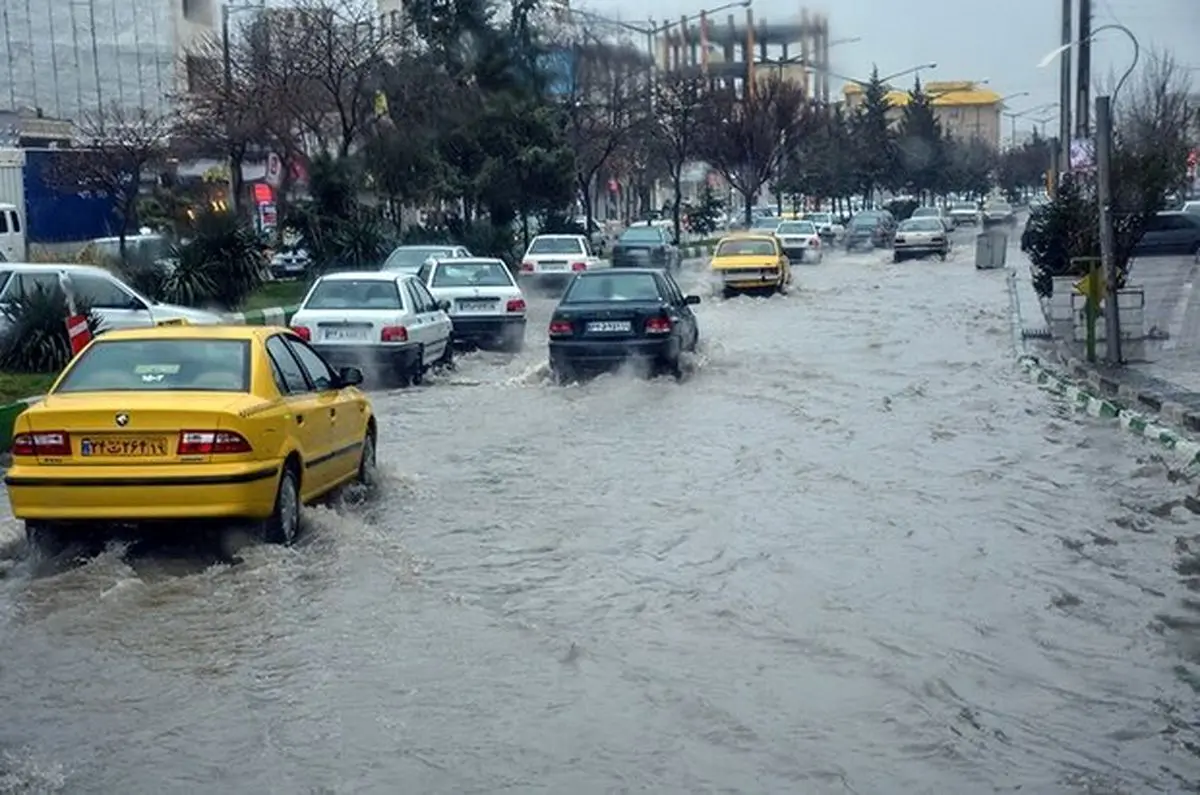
{"points": [[345, 334], [609, 326], [553, 266], [475, 306]]}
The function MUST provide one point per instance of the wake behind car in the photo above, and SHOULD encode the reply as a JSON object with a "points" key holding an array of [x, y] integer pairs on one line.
{"points": [[748, 262], [487, 308], [387, 324], [647, 246], [181, 422], [608, 318], [920, 237], [800, 241], [557, 257], [409, 259]]}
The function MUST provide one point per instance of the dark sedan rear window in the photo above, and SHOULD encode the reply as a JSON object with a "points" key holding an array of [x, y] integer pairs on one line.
{"points": [[612, 287], [162, 365], [642, 234]]}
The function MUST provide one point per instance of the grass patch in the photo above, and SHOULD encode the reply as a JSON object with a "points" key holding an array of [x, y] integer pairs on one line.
{"points": [[276, 294], [14, 386]]}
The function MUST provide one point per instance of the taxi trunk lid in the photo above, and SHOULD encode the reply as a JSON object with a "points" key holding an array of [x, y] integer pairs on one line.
{"points": [[152, 424], [743, 262]]}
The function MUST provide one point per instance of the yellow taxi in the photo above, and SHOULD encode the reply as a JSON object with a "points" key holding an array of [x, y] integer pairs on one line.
{"points": [[189, 422], [750, 262]]}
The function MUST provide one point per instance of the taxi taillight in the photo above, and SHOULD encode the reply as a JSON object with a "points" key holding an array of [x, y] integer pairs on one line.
{"points": [[42, 443], [211, 443]]}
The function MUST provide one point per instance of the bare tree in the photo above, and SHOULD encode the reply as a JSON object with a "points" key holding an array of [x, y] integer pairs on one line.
{"points": [[604, 108], [675, 129], [1150, 149], [747, 132], [118, 147], [328, 62]]}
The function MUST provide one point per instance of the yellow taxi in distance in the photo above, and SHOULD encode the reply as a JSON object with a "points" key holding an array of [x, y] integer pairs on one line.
{"points": [[750, 262], [182, 422]]}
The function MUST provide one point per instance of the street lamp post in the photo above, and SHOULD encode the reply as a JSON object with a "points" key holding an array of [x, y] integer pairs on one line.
{"points": [[234, 162], [800, 60], [1022, 114], [1104, 134]]}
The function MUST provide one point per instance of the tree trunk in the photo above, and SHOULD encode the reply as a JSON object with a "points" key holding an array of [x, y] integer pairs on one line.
{"points": [[677, 193]]}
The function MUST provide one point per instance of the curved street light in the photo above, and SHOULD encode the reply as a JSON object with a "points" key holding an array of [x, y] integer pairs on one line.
{"points": [[1137, 50]]}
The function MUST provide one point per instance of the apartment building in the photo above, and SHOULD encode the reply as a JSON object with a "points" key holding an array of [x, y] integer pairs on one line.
{"points": [[965, 109], [66, 59]]}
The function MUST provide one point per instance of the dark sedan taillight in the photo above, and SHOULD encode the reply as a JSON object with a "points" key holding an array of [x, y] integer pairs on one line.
{"points": [[561, 328]]}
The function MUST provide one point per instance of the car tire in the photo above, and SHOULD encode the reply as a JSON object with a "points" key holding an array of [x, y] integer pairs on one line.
{"points": [[47, 538], [561, 375], [896, 258], [445, 362], [416, 372], [367, 461], [283, 525], [942, 255], [1198, 253]]}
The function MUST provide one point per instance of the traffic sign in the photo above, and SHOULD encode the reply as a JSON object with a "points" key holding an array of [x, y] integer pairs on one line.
{"points": [[1091, 288]]}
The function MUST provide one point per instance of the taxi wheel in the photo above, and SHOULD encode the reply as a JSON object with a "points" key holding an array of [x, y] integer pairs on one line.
{"points": [[283, 525], [367, 462]]}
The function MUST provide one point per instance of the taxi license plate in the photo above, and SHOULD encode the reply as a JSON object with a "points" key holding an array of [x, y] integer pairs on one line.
{"points": [[345, 334], [609, 326], [124, 447]]}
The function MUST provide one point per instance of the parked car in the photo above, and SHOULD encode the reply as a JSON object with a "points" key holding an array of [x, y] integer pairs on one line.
{"points": [[965, 214], [386, 323], [608, 318], [920, 237], [998, 213], [1191, 207], [290, 263], [649, 245], [940, 213], [800, 241], [12, 233], [185, 422], [486, 307], [871, 228], [828, 227], [115, 303], [557, 257], [409, 259], [1170, 233]]}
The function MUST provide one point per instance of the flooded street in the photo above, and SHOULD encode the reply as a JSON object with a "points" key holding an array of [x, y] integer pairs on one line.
{"points": [[855, 551]]}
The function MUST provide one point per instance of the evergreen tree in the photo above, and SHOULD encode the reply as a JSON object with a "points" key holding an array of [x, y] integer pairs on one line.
{"points": [[920, 144], [875, 141]]}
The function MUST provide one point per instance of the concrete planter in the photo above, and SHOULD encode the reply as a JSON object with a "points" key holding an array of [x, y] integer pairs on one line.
{"points": [[1131, 303]]}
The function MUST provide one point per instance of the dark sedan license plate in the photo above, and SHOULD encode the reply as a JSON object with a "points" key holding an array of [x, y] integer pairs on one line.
{"points": [[124, 447], [609, 326]]}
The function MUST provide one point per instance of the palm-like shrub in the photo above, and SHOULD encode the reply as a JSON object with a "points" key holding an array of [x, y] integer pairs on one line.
{"points": [[222, 264], [35, 337]]}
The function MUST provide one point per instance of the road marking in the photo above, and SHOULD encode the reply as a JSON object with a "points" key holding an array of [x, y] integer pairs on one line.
{"points": [[1178, 315]]}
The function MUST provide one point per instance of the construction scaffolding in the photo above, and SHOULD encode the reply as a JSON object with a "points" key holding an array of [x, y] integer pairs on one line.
{"points": [[70, 58]]}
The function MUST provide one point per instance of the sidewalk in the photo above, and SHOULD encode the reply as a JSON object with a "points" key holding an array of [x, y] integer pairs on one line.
{"points": [[1166, 380]]}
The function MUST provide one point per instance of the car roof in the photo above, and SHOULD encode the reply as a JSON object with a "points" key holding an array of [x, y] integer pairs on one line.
{"points": [[193, 332], [617, 272], [470, 260], [54, 267], [426, 247], [562, 236], [366, 276]]}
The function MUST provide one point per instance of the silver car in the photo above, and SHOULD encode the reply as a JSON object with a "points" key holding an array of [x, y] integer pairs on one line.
{"points": [[965, 213], [935, 212], [920, 237], [999, 213]]}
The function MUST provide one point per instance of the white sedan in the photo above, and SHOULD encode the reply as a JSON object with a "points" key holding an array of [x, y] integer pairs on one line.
{"points": [[800, 241], [487, 307], [383, 322]]}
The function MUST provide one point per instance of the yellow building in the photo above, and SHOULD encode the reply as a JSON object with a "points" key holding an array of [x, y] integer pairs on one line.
{"points": [[965, 109]]}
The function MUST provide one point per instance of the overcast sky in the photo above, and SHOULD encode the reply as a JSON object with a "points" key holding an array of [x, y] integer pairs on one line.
{"points": [[1001, 41]]}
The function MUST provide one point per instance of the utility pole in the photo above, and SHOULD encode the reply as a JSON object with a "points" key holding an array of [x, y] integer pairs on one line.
{"points": [[1083, 75], [1112, 317], [1064, 91]]}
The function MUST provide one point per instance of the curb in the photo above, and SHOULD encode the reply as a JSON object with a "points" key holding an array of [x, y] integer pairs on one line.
{"points": [[1183, 450], [268, 316], [1174, 413]]}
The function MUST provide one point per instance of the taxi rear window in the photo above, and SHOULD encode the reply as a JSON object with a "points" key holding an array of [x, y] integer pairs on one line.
{"points": [[745, 248], [176, 365]]}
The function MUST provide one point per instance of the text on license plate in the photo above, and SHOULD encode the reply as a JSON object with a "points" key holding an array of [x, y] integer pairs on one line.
{"points": [[345, 334], [553, 266], [475, 306], [124, 446], [609, 326]]}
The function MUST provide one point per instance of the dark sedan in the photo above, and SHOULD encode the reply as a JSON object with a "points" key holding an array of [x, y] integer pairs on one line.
{"points": [[607, 318], [870, 229], [1170, 233], [646, 247]]}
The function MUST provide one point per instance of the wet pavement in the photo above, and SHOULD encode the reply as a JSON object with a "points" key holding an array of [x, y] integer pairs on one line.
{"points": [[852, 552]]}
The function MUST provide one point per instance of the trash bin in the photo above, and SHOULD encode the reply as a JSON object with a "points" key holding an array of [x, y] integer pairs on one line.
{"points": [[991, 249]]}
